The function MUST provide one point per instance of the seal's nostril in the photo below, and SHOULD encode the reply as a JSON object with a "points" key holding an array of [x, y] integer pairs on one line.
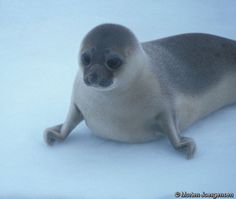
{"points": [[105, 82], [93, 78], [86, 81]]}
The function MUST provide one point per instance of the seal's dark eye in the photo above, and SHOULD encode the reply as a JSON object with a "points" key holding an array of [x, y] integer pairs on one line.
{"points": [[85, 59], [114, 63]]}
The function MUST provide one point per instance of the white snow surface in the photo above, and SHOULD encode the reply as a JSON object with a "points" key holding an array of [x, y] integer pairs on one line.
{"points": [[39, 42]]}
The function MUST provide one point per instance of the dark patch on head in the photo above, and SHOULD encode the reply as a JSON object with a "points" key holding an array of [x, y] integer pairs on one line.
{"points": [[223, 45], [217, 55], [107, 37], [103, 52]]}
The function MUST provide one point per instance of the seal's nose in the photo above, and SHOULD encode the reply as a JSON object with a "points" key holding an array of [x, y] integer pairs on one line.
{"points": [[105, 83], [91, 79]]}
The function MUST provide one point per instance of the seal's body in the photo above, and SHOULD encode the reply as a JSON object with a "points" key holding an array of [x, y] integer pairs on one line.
{"points": [[135, 92], [197, 70], [128, 116]]}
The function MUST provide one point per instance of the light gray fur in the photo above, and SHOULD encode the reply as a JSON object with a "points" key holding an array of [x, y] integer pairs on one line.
{"points": [[164, 86]]}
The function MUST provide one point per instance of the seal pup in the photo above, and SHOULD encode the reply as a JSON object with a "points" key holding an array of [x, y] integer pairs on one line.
{"points": [[134, 92]]}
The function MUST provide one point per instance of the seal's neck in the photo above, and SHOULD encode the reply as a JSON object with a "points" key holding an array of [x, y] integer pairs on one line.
{"points": [[142, 80]]}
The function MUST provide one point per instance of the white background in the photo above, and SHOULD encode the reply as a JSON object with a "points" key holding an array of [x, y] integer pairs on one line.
{"points": [[39, 42]]}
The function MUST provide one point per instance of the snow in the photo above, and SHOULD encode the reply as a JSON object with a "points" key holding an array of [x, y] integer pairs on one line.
{"points": [[39, 42]]}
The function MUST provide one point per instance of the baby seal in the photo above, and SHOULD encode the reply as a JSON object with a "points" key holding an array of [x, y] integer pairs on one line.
{"points": [[135, 92]]}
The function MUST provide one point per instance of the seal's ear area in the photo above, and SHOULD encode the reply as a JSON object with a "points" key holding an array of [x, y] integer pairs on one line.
{"points": [[128, 52]]}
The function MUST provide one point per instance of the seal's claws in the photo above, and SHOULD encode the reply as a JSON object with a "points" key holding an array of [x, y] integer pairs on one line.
{"points": [[52, 134], [188, 146], [48, 138]]}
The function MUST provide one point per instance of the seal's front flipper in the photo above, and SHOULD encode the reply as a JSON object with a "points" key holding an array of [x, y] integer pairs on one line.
{"points": [[187, 145], [61, 131], [52, 134], [180, 143]]}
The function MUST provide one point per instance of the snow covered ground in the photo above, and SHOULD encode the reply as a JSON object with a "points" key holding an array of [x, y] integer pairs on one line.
{"points": [[39, 43]]}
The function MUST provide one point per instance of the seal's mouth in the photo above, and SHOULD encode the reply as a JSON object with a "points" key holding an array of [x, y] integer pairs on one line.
{"points": [[94, 81], [103, 85]]}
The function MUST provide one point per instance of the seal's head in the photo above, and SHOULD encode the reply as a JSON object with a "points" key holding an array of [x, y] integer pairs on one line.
{"points": [[109, 56]]}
